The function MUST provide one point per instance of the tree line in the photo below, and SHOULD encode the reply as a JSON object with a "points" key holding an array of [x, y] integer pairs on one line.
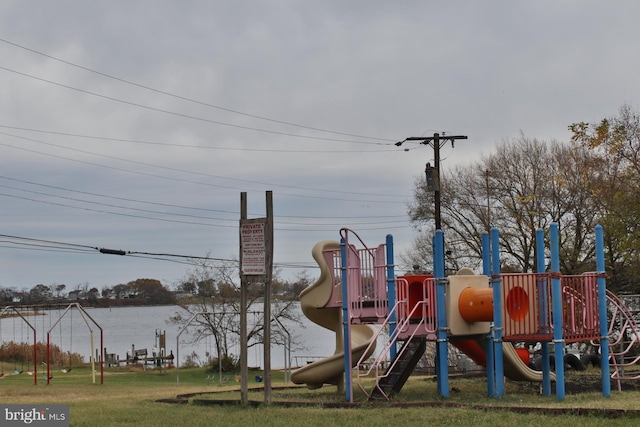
{"points": [[525, 184], [140, 292], [136, 292]]}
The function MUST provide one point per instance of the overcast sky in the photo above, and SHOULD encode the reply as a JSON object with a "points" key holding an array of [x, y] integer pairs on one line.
{"points": [[135, 125]]}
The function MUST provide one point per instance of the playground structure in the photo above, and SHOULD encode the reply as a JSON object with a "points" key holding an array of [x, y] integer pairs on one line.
{"points": [[88, 320], [29, 317], [488, 317], [17, 314]]}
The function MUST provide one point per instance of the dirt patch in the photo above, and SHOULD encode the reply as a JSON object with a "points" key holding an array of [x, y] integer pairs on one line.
{"points": [[580, 382]]}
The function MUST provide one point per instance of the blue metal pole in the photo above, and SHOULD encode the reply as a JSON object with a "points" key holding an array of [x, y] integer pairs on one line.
{"points": [[442, 367], [486, 270], [544, 313], [486, 255], [391, 294], [602, 313], [346, 322], [556, 291], [497, 312]]}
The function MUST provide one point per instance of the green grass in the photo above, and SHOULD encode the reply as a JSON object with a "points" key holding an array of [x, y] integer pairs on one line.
{"points": [[128, 397]]}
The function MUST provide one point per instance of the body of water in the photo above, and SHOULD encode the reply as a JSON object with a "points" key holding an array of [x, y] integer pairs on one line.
{"points": [[127, 327]]}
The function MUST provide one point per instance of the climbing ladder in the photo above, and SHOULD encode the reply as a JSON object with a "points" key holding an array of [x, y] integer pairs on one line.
{"points": [[412, 322], [624, 335], [400, 369]]}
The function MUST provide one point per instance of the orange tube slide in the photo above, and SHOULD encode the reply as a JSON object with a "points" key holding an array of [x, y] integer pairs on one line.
{"points": [[476, 304]]}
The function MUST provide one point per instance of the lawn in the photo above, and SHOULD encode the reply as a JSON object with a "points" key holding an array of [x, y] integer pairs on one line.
{"points": [[129, 397]]}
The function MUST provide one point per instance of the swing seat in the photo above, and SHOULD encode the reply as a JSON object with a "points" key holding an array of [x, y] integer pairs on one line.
{"points": [[16, 372]]}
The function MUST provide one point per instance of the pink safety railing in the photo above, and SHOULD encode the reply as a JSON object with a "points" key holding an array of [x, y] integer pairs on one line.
{"points": [[417, 306], [526, 307], [366, 281], [580, 307]]}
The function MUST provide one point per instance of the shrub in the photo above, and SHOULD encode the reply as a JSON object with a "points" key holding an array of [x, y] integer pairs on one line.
{"points": [[22, 353], [191, 361], [230, 363]]}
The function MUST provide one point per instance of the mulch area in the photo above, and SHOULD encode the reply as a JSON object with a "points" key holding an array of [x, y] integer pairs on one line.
{"points": [[577, 383]]}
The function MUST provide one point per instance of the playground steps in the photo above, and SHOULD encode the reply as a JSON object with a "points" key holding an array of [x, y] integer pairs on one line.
{"points": [[400, 370]]}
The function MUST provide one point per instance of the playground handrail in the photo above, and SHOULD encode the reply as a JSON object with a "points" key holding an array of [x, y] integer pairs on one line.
{"points": [[404, 324]]}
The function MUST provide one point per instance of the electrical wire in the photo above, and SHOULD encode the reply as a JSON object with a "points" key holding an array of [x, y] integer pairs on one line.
{"points": [[185, 171], [187, 116], [234, 220], [129, 82], [57, 246], [193, 146], [236, 213], [176, 221]]}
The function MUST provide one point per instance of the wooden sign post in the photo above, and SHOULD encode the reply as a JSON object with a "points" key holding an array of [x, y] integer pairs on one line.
{"points": [[256, 265]]}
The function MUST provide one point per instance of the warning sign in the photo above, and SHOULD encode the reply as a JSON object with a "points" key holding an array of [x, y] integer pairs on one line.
{"points": [[252, 242]]}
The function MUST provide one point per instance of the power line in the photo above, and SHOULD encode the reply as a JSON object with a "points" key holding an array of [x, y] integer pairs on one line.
{"points": [[129, 82], [40, 242], [190, 146], [183, 115], [234, 220], [57, 246], [91, 202], [236, 213], [30, 241], [176, 221], [117, 213], [184, 171]]}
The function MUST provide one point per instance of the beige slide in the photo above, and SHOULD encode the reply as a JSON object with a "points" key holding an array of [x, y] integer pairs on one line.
{"points": [[313, 301], [514, 367]]}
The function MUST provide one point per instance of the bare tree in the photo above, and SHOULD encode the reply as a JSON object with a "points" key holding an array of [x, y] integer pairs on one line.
{"points": [[217, 292], [521, 187]]}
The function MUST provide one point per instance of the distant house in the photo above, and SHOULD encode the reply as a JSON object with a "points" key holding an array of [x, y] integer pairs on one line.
{"points": [[182, 294], [93, 294], [108, 294], [77, 295]]}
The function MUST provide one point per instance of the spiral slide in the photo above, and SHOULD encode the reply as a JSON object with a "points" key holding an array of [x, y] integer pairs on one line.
{"points": [[313, 301]]}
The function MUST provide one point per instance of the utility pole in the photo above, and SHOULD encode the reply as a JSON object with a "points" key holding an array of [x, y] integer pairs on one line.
{"points": [[436, 141]]}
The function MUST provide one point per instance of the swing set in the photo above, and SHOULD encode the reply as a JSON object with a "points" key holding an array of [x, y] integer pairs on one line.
{"points": [[17, 313], [88, 320]]}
